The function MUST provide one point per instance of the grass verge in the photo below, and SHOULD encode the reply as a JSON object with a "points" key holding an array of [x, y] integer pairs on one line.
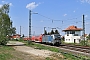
{"points": [[5, 53]]}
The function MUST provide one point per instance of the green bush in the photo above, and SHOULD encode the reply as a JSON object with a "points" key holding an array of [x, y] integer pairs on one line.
{"points": [[3, 41], [84, 43]]}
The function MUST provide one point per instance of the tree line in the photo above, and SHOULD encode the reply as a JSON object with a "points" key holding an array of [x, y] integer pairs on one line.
{"points": [[6, 28]]}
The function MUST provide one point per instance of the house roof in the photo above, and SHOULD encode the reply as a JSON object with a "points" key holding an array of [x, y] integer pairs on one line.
{"points": [[16, 35], [73, 28]]}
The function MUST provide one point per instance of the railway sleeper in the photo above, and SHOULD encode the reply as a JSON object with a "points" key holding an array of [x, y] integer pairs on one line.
{"points": [[77, 49], [72, 48], [75, 56], [87, 51], [83, 50]]}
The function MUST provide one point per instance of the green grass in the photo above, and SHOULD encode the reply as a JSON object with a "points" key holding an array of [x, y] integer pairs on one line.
{"points": [[4, 52], [38, 46], [48, 58], [8, 53], [5, 56], [70, 56]]}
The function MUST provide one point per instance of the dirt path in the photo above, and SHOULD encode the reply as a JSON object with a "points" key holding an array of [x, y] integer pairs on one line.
{"points": [[30, 50]]}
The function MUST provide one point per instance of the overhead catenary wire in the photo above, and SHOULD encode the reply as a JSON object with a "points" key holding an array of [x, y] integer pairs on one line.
{"points": [[74, 20], [62, 19]]}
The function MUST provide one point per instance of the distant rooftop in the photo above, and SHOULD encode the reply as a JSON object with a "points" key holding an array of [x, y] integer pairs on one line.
{"points": [[16, 35], [74, 28]]}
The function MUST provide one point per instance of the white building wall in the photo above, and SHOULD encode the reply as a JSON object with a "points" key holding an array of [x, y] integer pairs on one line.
{"points": [[77, 39], [69, 38]]}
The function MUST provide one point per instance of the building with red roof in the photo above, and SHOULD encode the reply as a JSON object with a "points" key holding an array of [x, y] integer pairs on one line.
{"points": [[15, 36], [72, 34]]}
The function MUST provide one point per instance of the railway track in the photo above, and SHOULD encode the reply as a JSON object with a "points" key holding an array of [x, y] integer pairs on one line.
{"points": [[77, 49], [82, 50]]}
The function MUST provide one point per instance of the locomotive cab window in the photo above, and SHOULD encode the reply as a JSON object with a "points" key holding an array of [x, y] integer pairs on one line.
{"points": [[57, 36]]}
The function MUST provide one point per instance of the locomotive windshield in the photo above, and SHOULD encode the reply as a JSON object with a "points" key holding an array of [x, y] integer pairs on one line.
{"points": [[57, 36]]}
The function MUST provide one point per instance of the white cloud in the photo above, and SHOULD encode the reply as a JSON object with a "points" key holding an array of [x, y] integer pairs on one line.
{"points": [[74, 11], [85, 1], [32, 5], [10, 4], [1, 6], [65, 15], [3, 1], [86, 16]]}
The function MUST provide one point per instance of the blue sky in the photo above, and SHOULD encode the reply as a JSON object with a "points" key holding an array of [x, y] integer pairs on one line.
{"points": [[63, 13]]}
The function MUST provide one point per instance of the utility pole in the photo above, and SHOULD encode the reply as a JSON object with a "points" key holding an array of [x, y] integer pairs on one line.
{"points": [[29, 23], [20, 30], [29, 26], [34, 33], [84, 29]]}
